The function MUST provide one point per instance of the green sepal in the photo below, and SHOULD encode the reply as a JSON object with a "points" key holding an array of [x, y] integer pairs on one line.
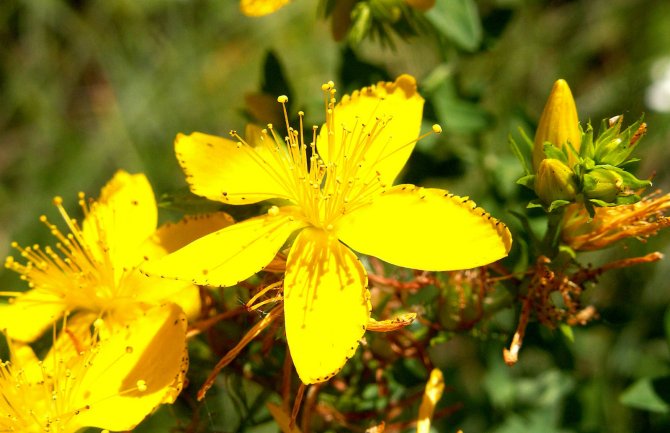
{"points": [[587, 150], [523, 155], [557, 204], [553, 152], [528, 181]]}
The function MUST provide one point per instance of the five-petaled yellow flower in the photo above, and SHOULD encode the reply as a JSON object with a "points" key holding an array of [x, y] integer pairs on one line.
{"points": [[92, 272], [257, 8], [112, 384], [337, 192]]}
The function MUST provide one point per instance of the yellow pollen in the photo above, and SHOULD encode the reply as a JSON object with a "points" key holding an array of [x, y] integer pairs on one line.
{"points": [[58, 200], [437, 129], [283, 99], [141, 385], [273, 211]]}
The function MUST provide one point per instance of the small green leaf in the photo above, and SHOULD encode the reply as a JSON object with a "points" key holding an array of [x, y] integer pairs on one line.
{"points": [[642, 395], [458, 21], [462, 115], [566, 330]]}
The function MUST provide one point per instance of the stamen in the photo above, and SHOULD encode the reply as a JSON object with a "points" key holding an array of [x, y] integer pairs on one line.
{"points": [[232, 354]]}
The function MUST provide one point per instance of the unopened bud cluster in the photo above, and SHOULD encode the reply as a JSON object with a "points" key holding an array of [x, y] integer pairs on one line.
{"points": [[566, 164]]}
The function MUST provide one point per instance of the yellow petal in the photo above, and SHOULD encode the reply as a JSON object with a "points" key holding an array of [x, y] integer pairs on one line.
{"points": [[390, 112], [173, 236], [559, 123], [169, 238], [23, 359], [230, 255], [121, 220], [148, 291], [74, 339], [30, 314], [425, 228], [326, 304], [133, 371], [227, 171], [257, 8]]}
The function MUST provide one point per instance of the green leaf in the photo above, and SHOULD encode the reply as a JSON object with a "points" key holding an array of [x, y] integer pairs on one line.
{"points": [[642, 395], [461, 115], [458, 21], [566, 330]]}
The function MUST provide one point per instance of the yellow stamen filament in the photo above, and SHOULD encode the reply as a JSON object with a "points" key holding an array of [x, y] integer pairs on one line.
{"points": [[232, 354], [251, 304], [432, 394]]}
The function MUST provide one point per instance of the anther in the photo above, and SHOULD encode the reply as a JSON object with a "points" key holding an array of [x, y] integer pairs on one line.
{"points": [[437, 129], [141, 385], [283, 99]]}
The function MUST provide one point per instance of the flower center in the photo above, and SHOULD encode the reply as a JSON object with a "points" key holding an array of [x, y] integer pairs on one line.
{"points": [[78, 270]]}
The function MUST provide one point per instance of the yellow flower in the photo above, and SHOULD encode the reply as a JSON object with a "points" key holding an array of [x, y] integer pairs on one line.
{"points": [[112, 385], [559, 124], [92, 272], [337, 194], [257, 8]]}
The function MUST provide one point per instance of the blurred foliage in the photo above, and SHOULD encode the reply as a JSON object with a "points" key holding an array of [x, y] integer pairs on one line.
{"points": [[88, 87]]}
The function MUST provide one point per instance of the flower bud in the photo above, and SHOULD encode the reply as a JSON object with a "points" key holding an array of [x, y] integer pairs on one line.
{"points": [[558, 125], [603, 184], [555, 181]]}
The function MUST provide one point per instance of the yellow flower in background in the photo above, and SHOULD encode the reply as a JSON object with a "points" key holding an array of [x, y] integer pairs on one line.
{"points": [[337, 193], [112, 384], [257, 8], [92, 272], [559, 124]]}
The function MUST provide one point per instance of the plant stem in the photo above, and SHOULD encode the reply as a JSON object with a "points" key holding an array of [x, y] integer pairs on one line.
{"points": [[549, 246]]}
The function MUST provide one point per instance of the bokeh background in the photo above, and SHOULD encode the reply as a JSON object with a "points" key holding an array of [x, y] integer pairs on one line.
{"points": [[88, 87]]}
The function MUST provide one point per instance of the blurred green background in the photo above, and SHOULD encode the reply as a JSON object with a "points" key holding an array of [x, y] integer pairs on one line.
{"points": [[88, 87]]}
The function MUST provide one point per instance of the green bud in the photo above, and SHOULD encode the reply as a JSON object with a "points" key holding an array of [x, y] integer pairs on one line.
{"points": [[554, 180], [603, 184]]}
